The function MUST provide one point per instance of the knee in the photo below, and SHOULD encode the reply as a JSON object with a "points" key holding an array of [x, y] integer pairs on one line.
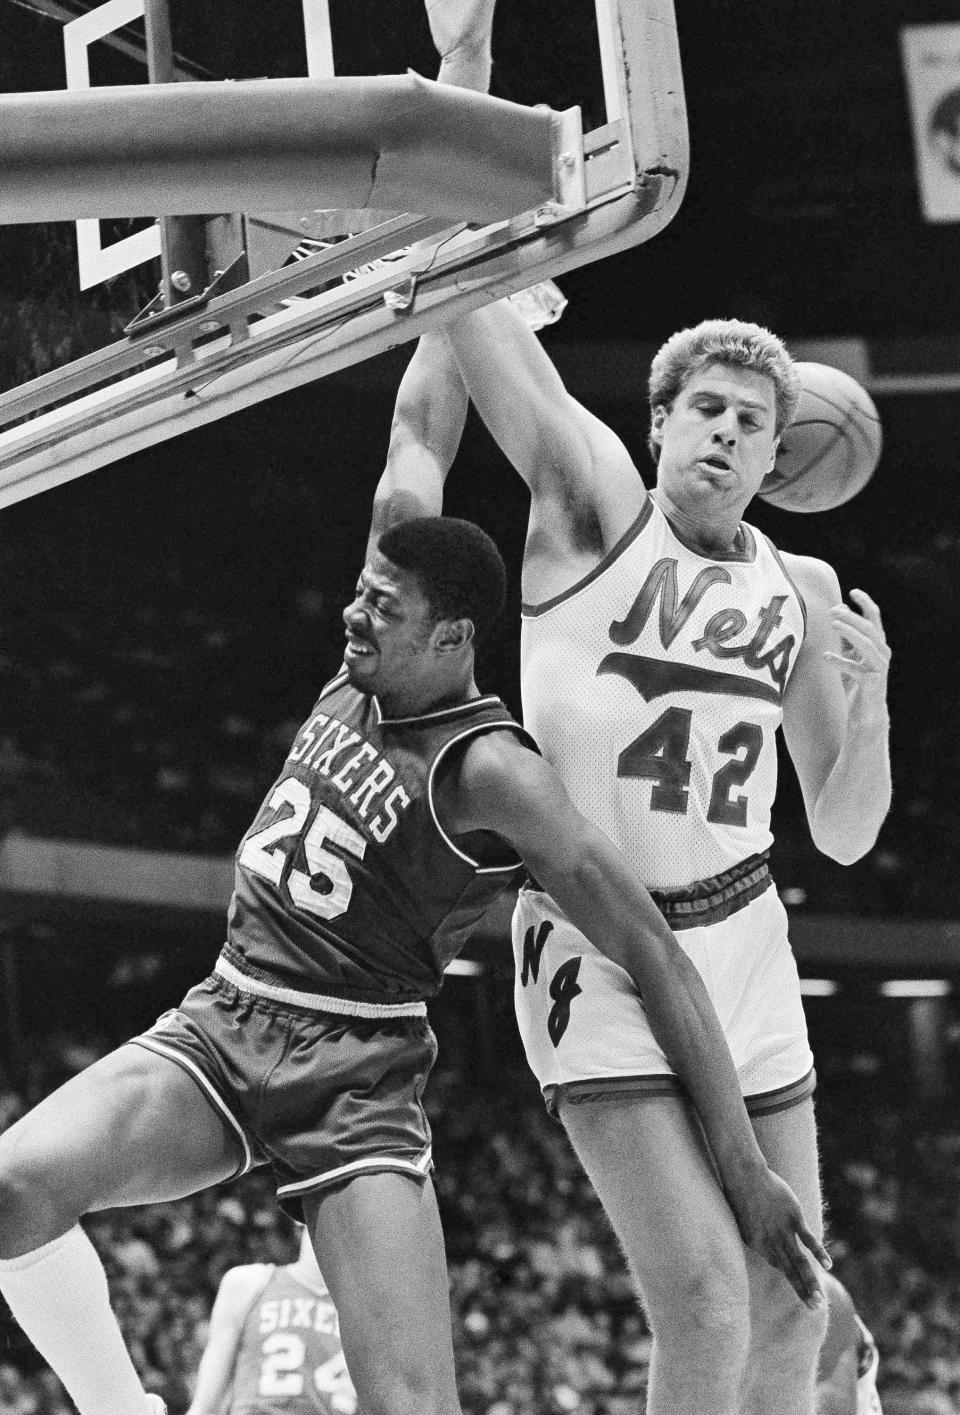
{"points": [[394, 1378], [712, 1302], [785, 1327]]}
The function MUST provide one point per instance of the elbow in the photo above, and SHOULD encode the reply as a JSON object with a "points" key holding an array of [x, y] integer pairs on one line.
{"points": [[841, 852], [845, 847], [846, 836]]}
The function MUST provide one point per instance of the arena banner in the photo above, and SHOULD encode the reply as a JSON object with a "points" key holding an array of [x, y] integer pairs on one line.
{"points": [[931, 61]]}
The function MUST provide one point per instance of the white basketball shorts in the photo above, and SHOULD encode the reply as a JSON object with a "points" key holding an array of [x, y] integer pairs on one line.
{"points": [[585, 1030]]}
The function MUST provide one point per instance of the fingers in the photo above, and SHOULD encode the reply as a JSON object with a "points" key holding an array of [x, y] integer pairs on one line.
{"points": [[869, 607], [864, 643], [797, 1268], [853, 666], [812, 1242]]}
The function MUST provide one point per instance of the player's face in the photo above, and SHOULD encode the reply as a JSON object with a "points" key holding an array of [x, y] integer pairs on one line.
{"points": [[389, 630], [718, 441]]}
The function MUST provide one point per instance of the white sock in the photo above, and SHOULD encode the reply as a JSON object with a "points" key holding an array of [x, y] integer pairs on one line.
{"points": [[58, 1294]]}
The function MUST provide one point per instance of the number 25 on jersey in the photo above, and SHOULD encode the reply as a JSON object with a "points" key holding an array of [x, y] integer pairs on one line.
{"points": [[325, 887]]}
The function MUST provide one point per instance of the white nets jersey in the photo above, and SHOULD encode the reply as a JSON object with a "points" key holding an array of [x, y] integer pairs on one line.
{"points": [[655, 688]]}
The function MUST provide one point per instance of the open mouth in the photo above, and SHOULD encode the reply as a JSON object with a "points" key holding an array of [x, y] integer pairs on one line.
{"points": [[716, 464], [357, 649]]}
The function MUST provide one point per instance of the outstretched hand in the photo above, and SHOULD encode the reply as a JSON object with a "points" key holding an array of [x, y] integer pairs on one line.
{"points": [[771, 1222]]}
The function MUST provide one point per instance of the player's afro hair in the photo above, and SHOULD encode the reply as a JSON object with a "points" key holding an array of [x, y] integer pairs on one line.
{"points": [[459, 567]]}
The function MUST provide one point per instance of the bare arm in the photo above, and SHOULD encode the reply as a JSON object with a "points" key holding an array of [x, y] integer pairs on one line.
{"points": [[428, 421], [835, 717], [431, 406], [583, 482], [505, 788], [237, 1290]]}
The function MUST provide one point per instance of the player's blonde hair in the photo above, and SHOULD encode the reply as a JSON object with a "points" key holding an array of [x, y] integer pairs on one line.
{"points": [[729, 341]]}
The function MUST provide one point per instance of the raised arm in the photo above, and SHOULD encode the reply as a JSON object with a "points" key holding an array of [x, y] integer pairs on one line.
{"points": [[579, 472], [237, 1290], [431, 406], [504, 787], [428, 421], [836, 721]]}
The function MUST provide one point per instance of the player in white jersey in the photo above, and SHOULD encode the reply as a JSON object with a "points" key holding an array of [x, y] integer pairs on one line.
{"points": [[664, 640], [849, 1359], [683, 704]]}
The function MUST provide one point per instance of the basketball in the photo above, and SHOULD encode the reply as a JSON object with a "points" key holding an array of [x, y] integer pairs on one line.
{"points": [[831, 449]]}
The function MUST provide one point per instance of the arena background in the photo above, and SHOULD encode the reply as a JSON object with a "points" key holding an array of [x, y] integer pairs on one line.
{"points": [[165, 623]]}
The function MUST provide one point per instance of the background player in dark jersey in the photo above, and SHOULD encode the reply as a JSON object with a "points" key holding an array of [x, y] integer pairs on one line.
{"points": [[274, 1345]]}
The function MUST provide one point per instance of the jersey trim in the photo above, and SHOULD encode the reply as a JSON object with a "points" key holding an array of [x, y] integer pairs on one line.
{"points": [[212, 1095], [710, 901], [418, 1168], [531, 611], [271, 1268], [789, 579], [746, 556], [661, 1083], [313, 1001], [783, 1097], [336, 682], [447, 714], [461, 854], [706, 901]]}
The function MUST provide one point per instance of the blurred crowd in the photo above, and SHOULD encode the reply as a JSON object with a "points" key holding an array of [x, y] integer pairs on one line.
{"points": [[545, 1322], [152, 678]]}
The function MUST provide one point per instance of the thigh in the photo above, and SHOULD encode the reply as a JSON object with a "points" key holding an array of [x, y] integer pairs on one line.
{"points": [[580, 1016], [380, 1247], [133, 1128], [647, 1160], [788, 1139]]}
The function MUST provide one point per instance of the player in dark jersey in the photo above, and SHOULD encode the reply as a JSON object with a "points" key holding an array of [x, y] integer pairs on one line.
{"points": [[405, 802], [274, 1345], [308, 1048]]}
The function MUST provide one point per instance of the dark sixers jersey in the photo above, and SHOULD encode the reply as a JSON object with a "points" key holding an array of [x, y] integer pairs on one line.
{"points": [[346, 885], [289, 1358]]}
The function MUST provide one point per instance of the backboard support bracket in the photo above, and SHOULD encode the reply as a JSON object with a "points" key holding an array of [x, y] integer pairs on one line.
{"points": [[232, 347]]}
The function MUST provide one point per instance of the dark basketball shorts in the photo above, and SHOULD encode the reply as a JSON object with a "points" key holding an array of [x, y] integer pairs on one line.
{"points": [[317, 1096]]}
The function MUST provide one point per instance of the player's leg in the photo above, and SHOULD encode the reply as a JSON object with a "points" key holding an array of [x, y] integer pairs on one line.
{"points": [[785, 1334], [133, 1128], [647, 1160], [380, 1247]]}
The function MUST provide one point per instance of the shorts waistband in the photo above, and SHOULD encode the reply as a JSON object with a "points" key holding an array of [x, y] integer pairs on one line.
{"points": [[313, 1001], [709, 901]]}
